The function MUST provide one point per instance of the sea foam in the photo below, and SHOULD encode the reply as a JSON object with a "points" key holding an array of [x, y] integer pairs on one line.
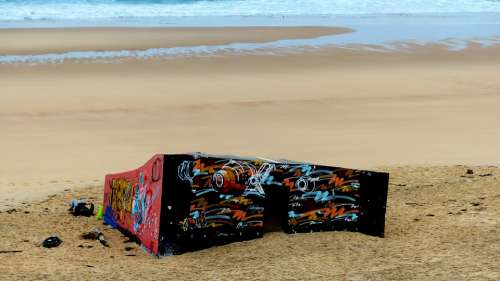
{"points": [[27, 10]]}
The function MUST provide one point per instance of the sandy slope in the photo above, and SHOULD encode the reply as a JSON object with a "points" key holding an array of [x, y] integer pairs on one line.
{"points": [[441, 225]]}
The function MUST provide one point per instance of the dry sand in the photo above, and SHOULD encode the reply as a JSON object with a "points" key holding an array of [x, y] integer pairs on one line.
{"points": [[440, 225], [65, 125]]}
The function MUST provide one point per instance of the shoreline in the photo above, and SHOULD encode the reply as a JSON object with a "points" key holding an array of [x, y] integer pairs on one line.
{"points": [[40, 46]]}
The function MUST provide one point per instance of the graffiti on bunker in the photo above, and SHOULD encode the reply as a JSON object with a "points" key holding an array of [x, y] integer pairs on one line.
{"points": [[318, 197], [133, 200], [184, 202]]}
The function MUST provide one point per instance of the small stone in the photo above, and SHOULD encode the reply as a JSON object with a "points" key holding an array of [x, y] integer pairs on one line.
{"points": [[51, 242], [430, 215], [470, 172]]}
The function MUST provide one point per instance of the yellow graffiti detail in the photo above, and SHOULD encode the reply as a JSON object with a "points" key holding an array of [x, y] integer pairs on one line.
{"points": [[122, 195]]}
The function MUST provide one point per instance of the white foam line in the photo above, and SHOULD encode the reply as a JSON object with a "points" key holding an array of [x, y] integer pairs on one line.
{"points": [[271, 48]]}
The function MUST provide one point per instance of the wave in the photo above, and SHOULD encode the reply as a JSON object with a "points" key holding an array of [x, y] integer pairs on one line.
{"points": [[396, 42], [20, 10]]}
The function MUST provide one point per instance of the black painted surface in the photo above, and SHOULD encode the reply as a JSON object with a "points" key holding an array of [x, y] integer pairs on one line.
{"points": [[210, 200]]}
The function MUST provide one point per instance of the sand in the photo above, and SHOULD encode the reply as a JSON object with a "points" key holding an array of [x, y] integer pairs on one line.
{"points": [[441, 224], [41, 41], [64, 126], [67, 125]]}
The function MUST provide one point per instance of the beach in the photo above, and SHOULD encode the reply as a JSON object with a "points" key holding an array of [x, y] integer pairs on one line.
{"points": [[69, 124], [422, 112]]}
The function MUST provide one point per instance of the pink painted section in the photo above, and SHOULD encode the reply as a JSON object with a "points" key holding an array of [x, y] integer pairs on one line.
{"points": [[132, 201]]}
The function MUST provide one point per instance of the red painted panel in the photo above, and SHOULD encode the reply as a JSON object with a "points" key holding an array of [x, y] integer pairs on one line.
{"points": [[132, 201]]}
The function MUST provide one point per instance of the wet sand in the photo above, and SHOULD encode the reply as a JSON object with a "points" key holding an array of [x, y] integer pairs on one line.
{"points": [[42, 41]]}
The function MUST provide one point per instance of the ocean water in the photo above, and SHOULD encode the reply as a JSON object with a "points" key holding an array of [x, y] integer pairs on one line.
{"points": [[380, 25], [26, 10]]}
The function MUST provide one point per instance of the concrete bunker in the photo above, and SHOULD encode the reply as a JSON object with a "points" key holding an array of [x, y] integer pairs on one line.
{"points": [[184, 202]]}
